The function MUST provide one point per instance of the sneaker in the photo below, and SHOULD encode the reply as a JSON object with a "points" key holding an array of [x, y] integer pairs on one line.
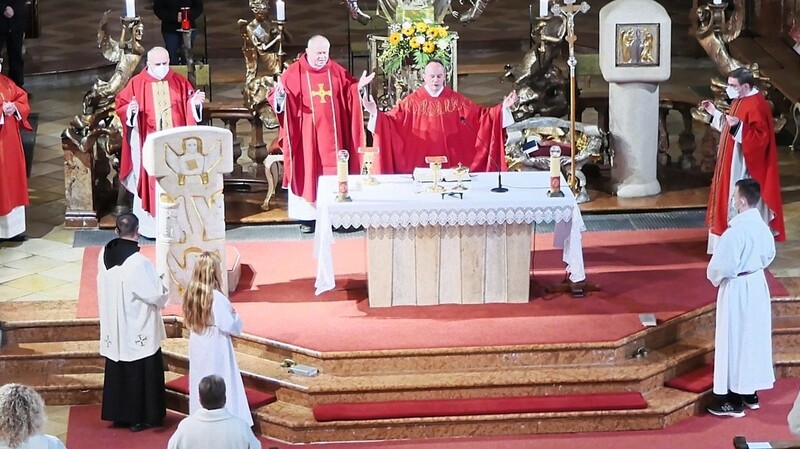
{"points": [[726, 409], [751, 401]]}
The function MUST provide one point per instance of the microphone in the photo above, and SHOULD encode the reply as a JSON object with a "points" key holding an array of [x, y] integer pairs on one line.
{"points": [[164, 111], [499, 188]]}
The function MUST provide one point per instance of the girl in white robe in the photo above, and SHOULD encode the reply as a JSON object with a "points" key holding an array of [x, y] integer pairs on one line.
{"points": [[210, 317]]}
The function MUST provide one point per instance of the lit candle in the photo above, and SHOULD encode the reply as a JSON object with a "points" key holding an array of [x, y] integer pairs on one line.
{"points": [[342, 170], [543, 10], [555, 161], [130, 8], [717, 2], [280, 10]]}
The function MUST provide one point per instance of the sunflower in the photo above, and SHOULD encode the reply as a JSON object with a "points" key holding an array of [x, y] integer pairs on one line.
{"points": [[421, 27], [408, 32], [413, 43], [429, 47], [395, 38]]}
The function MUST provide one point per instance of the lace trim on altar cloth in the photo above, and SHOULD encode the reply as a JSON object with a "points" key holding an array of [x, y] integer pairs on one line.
{"points": [[439, 217]]}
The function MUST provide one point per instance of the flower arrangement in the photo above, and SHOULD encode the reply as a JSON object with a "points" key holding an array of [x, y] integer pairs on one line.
{"points": [[415, 43]]}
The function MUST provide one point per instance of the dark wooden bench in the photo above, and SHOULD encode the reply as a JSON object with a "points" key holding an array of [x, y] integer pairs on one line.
{"points": [[780, 64]]}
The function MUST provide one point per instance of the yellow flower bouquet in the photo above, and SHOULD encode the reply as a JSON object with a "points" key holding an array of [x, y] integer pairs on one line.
{"points": [[415, 44]]}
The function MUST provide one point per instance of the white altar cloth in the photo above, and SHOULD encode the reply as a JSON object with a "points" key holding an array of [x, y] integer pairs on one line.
{"points": [[399, 202]]}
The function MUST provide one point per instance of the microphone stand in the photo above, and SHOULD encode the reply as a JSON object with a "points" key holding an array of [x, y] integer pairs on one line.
{"points": [[499, 188]]}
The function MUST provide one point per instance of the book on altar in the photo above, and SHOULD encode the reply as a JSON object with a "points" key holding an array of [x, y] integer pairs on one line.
{"points": [[425, 174]]}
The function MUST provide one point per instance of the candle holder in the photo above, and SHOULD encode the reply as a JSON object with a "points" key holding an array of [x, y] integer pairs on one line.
{"points": [[281, 54]]}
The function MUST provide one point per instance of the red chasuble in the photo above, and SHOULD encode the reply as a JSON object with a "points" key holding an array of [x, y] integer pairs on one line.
{"points": [[13, 178], [760, 158], [322, 115], [150, 118], [421, 125]]}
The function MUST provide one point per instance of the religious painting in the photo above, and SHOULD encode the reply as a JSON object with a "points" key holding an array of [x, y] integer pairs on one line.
{"points": [[638, 45]]}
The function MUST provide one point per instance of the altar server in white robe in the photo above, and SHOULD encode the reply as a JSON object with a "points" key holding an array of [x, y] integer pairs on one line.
{"points": [[208, 313], [130, 298], [743, 339]]}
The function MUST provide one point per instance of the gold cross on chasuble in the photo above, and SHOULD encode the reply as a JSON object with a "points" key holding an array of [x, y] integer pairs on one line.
{"points": [[162, 105], [321, 92]]}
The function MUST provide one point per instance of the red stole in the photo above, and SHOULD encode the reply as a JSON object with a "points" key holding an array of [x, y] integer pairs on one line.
{"points": [[13, 178], [148, 120], [321, 116], [760, 157], [448, 125]]}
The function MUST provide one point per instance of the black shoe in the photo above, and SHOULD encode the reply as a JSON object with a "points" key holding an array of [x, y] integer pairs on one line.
{"points": [[307, 227], [726, 409], [16, 238], [138, 427], [751, 401]]}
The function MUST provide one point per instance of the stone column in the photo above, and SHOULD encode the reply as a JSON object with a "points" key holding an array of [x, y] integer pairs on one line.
{"points": [[635, 42]]}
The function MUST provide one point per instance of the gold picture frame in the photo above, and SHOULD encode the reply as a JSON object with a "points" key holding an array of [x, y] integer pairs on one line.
{"points": [[638, 44]]}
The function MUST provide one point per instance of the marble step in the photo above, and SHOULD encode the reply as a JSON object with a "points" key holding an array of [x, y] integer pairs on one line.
{"points": [[66, 389], [464, 359], [785, 306], [296, 424], [18, 331], [68, 357], [644, 375]]}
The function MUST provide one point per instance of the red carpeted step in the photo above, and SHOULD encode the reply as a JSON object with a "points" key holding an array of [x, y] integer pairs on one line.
{"points": [[481, 406], [255, 398], [696, 381]]}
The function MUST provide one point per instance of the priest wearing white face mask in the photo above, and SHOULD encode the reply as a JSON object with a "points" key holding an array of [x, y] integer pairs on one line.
{"points": [[156, 98], [747, 149]]}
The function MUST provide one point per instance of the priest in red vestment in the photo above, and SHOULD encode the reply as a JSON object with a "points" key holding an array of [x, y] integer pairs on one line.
{"points": [[747, 149], [317, 104], [13, 176], [156, 98], [436, 121]]}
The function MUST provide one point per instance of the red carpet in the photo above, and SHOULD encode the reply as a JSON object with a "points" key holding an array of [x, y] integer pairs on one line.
{"points": [[86, 431], [255, 398], [696, 381], [660, 272], [478, 406]]}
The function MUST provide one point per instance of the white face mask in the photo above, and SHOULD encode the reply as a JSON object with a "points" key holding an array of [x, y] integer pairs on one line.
{"points": [[159, 71], [732, 93]]}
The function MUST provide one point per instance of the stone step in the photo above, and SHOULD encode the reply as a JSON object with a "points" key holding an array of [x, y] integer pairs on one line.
{"points": [[68, 357], [465, 359], [644, 375], [296, 424], [785, 306], [76, 329]]}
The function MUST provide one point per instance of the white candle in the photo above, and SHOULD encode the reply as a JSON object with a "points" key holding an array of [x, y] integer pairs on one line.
{"points": [[280, 10], [717, 2], [130, 8], [543, 10]]}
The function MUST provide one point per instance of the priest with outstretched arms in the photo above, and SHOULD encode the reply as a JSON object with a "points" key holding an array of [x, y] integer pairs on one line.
{"points": [[318, 108], [437, 121]]}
